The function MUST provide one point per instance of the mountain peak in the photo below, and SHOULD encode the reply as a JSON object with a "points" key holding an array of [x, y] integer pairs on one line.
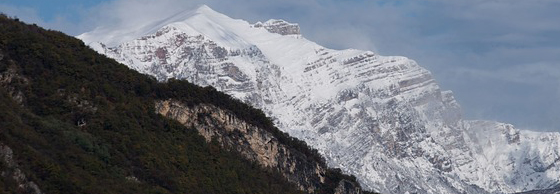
{"points": [[115, 35], [204, 9]]}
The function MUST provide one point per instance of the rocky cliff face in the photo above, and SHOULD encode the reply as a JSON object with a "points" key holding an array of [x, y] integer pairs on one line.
{"points": [[13, 82], [383, 119], [279, 27], [254, 143], [9, 169]]}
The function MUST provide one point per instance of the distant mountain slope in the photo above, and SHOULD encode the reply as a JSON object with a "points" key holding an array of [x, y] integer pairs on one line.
{"points": [[74, 121], [381, 118]]}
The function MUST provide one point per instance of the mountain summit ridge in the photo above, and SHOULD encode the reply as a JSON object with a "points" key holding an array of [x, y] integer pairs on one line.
{"points": [[381, 118], [112, 36]]}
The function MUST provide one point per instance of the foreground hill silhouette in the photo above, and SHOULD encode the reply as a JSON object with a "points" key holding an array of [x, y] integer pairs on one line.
{"points": [[74, 121]]}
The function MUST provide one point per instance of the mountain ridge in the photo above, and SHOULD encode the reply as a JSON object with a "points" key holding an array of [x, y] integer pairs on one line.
{"points": [[383, 119]]}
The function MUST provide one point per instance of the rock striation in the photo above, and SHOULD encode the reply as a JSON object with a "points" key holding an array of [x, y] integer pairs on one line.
{"points": [[279, 27]]}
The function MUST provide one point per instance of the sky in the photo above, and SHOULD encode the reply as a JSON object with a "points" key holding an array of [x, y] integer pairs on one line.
{"points": [[501, 58]]}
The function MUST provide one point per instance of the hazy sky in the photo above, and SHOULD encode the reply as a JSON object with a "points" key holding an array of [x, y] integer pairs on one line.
{"points": [[500, 57]]}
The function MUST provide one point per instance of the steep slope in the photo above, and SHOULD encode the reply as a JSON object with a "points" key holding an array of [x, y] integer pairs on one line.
{"points": [[74, 121], [383, 119]]}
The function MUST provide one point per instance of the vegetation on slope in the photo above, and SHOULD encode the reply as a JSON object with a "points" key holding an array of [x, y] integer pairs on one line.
{"points": [[86, 124]]}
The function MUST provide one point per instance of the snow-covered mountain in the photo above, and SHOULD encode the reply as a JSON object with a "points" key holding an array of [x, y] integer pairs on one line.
{"points": [[382, 118]]}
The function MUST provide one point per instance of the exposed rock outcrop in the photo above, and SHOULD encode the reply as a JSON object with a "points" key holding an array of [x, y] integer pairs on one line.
{"points": [[10, 170], [254, 143], [12, 81], [279, 27]]}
